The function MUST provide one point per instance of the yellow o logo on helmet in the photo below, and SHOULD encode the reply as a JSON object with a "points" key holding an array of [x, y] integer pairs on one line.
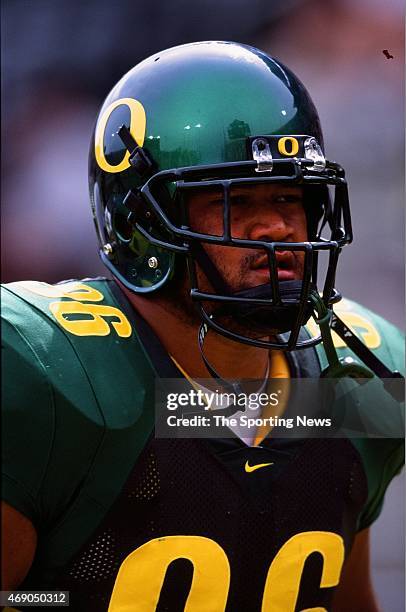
{"points": [[137, 128], [294, 146]]}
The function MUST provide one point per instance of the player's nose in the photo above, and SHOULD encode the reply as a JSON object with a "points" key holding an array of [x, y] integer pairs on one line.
{"points": [[270, 226]]}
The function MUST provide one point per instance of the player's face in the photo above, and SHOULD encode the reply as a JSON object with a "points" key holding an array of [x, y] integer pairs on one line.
{"points": [[271, 213]]}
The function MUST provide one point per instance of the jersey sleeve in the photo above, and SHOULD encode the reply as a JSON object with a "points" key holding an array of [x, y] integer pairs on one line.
{"points": [[383, 458], [76, 406], [51, 423], [380, 474], [28, 421]]}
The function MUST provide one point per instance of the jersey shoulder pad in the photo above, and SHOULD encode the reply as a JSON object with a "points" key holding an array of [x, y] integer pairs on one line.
{"points": [[382, 458], [378, 334]]}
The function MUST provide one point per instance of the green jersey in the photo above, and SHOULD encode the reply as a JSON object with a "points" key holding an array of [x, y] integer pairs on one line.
{"points": [[129, 521]]}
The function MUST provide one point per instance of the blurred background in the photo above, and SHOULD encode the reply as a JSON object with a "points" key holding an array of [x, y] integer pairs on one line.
{"points": [[60, 59]]}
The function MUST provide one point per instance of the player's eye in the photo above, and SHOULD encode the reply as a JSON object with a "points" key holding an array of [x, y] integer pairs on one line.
{"points": [[288, 198]]}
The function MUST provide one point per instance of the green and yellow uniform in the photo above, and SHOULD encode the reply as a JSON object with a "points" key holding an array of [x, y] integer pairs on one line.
{"points": [[127, 521]]}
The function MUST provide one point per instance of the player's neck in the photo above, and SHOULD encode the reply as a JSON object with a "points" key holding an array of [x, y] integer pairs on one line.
{"points": [[179, 337]]}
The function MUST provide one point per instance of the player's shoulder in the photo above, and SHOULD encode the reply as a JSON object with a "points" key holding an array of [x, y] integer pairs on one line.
{"points": [[347, 307], [75, 334], [377, 333], [381, 336], [24, 299], [382, 457], [76, 394], [75, 308], [44, 322]]}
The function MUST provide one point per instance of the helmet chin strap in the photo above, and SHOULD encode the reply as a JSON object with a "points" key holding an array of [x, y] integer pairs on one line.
{"points": [[337, 368], [347, 366]]}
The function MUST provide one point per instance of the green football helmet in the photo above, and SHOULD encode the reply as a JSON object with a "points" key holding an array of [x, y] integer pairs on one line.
{"points": [[204, 115]]}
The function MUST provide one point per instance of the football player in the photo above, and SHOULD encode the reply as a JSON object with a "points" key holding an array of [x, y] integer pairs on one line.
{"points": [[213, 201]]}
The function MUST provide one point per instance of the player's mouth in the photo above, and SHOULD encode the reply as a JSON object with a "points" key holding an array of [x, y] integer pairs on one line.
{"points": [[288, 268]]}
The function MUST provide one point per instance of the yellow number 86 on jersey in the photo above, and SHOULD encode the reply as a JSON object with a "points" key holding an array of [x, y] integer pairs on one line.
{"points": [[79, 317], [141, 575]]}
